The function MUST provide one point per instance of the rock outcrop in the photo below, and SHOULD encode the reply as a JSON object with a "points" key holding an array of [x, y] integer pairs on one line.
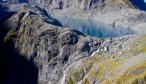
{"points": [[51, 47], [66, 56], [119, 61], [121, 13]]}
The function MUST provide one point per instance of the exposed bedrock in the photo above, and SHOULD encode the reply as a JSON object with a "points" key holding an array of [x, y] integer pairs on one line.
{"points": [[51, 47], [62, 55], [119, 13]]}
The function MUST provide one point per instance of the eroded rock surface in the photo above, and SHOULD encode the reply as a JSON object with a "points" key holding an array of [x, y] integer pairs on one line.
{"points": [[118, 13], [123, 13], [66, 56], [51, 47], [118, 61]]}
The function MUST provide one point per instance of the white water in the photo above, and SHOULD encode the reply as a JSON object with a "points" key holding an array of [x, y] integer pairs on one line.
{"points": [[63, 79], [95, 52], [65, 72], [103, 44], [68, 68]]}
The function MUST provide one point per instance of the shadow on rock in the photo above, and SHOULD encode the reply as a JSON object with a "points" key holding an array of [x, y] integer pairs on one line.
{"points": [[15, 69], [4, 13]]}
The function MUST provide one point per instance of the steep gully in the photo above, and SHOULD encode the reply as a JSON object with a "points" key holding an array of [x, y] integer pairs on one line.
{"points": [[15, 69], [68, 68]]}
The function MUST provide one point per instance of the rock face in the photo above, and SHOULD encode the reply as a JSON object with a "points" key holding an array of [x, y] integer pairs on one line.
{"points": [[119, 61], [122, 13], [82, 4], [51, 47], [66, 56]]}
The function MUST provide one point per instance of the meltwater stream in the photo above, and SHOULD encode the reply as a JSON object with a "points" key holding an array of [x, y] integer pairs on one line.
{"points": [[93, 27]]}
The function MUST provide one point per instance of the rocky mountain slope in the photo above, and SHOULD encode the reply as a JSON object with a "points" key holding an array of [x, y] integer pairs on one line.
{"points": [[122, 63], [51, 47], [123, 13], [66, 56]]}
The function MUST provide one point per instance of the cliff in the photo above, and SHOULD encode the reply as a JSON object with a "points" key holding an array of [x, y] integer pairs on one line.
{"points": [[123, 13], [52, 48]]}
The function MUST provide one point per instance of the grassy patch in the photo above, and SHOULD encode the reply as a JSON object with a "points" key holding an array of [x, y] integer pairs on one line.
{"points": [[9, 35]]}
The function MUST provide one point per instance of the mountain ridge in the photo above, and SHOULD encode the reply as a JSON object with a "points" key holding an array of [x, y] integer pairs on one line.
{"points": [[67, 56]]}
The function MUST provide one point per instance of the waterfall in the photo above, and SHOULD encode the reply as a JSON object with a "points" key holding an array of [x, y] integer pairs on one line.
{"points": [[65, 73]]}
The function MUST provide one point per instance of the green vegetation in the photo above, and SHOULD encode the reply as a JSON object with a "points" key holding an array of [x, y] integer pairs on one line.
{"points": [[10, 35]]}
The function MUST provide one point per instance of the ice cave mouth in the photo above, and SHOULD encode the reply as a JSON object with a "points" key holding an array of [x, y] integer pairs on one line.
{"points": [[94, 28]]}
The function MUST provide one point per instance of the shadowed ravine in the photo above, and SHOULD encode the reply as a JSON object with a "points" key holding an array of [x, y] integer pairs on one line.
{"points": [[15, 68]]}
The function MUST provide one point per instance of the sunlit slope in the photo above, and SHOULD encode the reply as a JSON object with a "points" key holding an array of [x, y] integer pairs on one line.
{"points": [[126, 66]]}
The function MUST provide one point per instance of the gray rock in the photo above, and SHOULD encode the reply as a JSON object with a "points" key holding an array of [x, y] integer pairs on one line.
{"points": [[51, 47]]}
